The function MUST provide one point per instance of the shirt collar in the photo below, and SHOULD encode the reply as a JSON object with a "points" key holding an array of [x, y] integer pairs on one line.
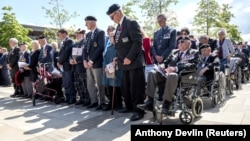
{"points": [[121, 20], [93, 30]]}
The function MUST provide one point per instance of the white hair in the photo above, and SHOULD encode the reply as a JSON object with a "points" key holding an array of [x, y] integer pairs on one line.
{"points": [[222, 30], [13, 40]]}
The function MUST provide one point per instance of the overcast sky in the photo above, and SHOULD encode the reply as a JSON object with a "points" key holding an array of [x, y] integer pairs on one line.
{"points": [[30, 12]]}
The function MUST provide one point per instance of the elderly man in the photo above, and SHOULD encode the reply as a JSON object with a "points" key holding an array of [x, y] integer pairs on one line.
{"points": [[78, 69], [130, 59], [12, 64], [63, 62], [182, 58], [92, 60], [206, 66]]}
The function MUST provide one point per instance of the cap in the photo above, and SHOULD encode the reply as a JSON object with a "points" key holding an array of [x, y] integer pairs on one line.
{"points": [[90, 18], [204, 46], [113, 8], [79, 31], [40, 37], [183, 38]]}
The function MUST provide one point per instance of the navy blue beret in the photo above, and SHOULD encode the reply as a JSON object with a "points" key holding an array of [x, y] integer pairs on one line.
{"points": [[113, 8], [90, 18]]}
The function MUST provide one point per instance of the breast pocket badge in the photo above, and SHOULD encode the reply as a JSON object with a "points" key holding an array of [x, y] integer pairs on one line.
{"points": [[124, 40], [95, 44], [166, 36]]}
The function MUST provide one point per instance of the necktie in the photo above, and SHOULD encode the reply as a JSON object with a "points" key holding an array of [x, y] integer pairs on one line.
{"points": [[118, 32], [179, 56]]}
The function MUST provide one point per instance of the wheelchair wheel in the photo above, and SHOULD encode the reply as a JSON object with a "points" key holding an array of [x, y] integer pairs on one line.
{"points": [[34, 100], [214, 101], [238, 79], [197, 107], [222, 88], [56, 99], [186, 117], [230, 85]]}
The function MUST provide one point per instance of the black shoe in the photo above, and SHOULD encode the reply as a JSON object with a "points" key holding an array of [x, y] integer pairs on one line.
{"points": [[124, 110], [72, 101], [92, 105], [165, 107], [118, 108], [136, 116], [99, 107], [13, 95], [146, 106], [106, 107], [80, 102], [86, 103]]}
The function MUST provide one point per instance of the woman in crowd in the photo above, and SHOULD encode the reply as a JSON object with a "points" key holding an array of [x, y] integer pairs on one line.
{"points": [[114, 82]]}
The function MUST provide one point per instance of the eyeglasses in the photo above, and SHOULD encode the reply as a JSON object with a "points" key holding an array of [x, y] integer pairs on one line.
{"points": [[181, 41]]}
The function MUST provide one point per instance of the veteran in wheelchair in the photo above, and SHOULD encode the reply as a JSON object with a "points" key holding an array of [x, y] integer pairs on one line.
{"points": [[211, 81], [180, 80]]}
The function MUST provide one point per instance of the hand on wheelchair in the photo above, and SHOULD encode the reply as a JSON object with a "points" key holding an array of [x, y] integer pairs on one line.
{"points": [[170, 69], [203, 71]]}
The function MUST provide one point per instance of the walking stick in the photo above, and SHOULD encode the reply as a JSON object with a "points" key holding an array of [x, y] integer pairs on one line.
{"points": [[113, 94]]}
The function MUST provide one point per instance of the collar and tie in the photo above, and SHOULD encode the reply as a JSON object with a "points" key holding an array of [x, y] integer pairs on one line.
{"points": [[179, 56]]}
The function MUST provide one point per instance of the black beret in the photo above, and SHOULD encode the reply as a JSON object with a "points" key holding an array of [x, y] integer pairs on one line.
{"points": [[79, 31], [90, 18], [204, 46], [183, 38], [113, 8], [40, 37]]}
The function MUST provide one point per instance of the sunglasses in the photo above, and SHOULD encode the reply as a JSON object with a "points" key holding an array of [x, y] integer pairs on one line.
{"points": [[181, 41]]}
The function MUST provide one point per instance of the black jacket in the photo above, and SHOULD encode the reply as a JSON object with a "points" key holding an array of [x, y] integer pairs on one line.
{"points": [[64, 54], [94, 47], [129, 45]]}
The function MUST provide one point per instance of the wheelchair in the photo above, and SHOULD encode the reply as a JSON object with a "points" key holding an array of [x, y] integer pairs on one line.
{"points": [[215, 89], [235, 72], [185, 99], [47, 85]]}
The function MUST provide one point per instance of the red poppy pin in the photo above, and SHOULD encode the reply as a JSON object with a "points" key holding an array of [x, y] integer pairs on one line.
{"points": [[120, 29]]}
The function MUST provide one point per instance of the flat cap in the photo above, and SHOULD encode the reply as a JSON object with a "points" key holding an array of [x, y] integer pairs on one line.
{"points": [[79, 31], [113, 8], [40, 37], [90, 18], [204, 46], [183, 38]]}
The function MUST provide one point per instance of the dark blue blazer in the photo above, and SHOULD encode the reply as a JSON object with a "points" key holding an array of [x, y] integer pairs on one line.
{"points": [[48, 57], [65, 53], [164, 42], [94, 47]]}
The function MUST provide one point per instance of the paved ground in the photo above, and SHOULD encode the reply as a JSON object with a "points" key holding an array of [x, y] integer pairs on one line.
{"points": [[19, 120]]}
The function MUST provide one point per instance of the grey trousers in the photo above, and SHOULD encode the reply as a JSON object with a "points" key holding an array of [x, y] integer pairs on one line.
{"points": [[27, 86], [94, 85], [154, 79], [170, 86]]}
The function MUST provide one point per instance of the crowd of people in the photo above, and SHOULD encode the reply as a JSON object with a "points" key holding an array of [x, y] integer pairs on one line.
{"points": [[108, 71]]}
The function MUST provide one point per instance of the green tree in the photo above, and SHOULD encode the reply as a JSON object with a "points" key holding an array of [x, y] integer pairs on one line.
{"points": [[151, 9], [210, 17], [127, 10], [10, 28], [59, 16], [225, 17], [207, 16]]}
